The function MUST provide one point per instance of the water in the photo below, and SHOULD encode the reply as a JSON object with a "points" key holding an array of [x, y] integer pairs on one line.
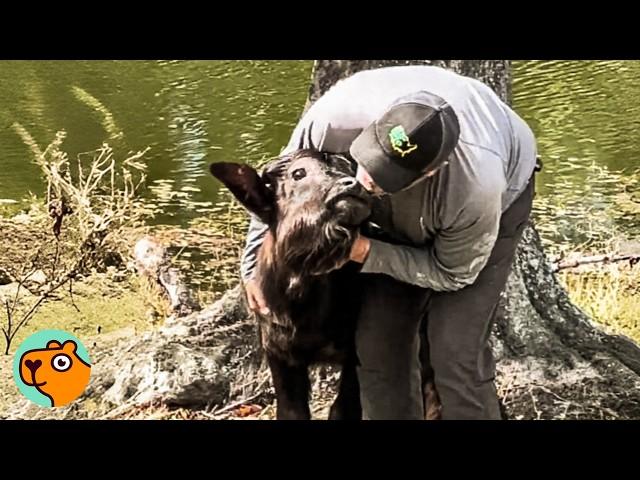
{"points": [[190, 114], [586, 116], [585, 113]]}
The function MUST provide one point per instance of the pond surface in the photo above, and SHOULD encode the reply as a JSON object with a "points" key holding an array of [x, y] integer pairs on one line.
{"points": [[586, 115]]}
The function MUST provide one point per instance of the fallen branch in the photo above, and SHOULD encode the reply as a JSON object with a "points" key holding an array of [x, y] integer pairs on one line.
{"points": [[153, 261], [610, 258], [235, 405]]}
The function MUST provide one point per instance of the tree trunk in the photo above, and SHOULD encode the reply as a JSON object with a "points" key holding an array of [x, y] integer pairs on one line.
{"points": [[495, 73], [552, 361]]}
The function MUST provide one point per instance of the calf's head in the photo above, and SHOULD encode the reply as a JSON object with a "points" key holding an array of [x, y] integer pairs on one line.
{"points": [[311, 203]]}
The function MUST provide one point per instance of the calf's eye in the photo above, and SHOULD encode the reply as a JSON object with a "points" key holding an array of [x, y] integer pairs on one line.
{"points": [[298, 174]]}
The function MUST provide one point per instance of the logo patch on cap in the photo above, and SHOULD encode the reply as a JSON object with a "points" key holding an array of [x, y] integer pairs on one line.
{"points": [[400, 141]]}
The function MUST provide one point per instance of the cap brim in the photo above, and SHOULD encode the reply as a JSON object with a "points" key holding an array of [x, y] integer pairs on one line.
{"points": [[389, 176]]}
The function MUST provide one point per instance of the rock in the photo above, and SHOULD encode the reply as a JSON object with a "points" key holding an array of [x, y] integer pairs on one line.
{"points": [[5, 277], [22, 219], [194, 361], [38, 277]]}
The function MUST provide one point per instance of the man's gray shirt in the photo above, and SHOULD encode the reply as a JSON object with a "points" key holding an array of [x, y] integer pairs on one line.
{"points": [[445, 226]]}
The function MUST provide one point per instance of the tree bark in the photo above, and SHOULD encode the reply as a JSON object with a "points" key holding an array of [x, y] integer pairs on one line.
{"points": [[495, 73], [552, 360]]}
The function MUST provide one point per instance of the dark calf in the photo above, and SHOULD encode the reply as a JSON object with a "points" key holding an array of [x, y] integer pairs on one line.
{"points": [[313, 207]]}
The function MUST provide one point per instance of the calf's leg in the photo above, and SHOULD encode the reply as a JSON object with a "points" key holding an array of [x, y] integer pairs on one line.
{"points": [[291, 383]]}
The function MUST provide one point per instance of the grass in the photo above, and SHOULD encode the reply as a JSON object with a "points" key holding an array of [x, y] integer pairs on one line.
{"points": [[102, 307], [609, 294]]}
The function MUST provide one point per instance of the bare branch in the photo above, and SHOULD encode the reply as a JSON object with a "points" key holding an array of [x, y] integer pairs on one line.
{"points": [[73, 303], [609, 258], [101, 197]]}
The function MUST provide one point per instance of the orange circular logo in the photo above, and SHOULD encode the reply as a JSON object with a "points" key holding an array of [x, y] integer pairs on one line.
{"points": [[51, 368]]}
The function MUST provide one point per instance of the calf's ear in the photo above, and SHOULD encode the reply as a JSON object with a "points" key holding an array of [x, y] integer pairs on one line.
{"points": [[247, 186]]}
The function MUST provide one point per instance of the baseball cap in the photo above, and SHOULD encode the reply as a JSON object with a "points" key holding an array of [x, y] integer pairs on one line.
{"points": [[416, 134]]}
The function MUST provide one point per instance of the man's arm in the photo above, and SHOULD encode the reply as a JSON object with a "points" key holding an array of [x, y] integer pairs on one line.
{"points": [[455, 258], [255, 236]]}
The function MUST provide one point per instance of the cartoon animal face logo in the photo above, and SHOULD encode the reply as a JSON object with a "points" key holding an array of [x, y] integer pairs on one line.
{"points": [[400, 141], [55, 371]]}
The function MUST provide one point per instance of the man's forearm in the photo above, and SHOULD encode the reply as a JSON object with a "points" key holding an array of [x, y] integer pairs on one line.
{"points": [[255, 236]]}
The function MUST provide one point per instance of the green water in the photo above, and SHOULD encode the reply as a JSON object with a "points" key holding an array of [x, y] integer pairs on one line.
{"points": [[586, 115], [189, 113]]}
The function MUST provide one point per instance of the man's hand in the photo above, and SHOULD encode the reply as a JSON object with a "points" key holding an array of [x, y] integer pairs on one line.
{"points": [[255, 297], [257, 303], [360, 249]]}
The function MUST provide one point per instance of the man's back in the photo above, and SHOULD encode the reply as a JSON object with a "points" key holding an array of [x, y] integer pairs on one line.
{"points": [[336, 119]]}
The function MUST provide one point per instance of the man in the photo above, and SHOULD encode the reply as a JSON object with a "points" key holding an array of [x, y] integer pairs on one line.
{"points": [[451, 166]]}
